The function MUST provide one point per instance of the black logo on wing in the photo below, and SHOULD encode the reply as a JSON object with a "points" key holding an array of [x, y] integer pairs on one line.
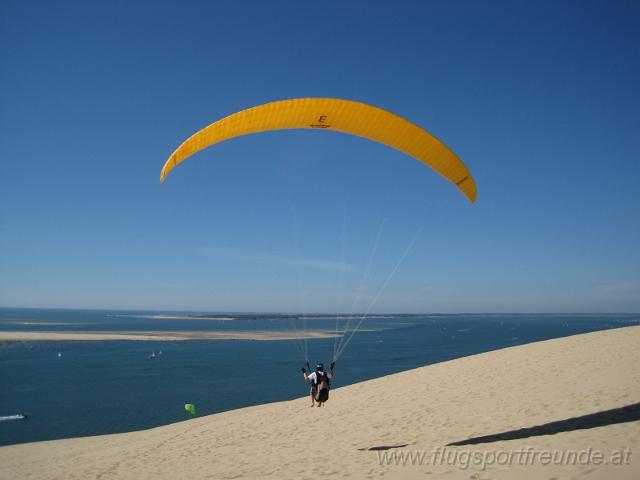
{"points": [[321, 122]]}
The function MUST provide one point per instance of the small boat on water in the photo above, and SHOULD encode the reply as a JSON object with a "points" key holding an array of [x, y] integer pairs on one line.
{"points": [[17, 416]]}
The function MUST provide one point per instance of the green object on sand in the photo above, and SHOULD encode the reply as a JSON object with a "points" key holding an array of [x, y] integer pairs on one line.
{"points": [[190, 408]]}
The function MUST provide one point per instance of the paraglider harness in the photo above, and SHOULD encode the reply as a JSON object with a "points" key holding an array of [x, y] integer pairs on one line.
{"points": [[322, 386]]}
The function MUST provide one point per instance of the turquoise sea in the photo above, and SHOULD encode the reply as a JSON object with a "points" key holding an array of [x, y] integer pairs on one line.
{"points": [[78, 388]]}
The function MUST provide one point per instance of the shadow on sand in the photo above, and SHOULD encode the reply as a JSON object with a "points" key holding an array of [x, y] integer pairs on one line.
{"points": [[383, 447], [630, 413]]}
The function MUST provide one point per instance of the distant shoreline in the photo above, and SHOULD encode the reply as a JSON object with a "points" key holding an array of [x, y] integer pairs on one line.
{"points": [[283, 313], [13, 336]]}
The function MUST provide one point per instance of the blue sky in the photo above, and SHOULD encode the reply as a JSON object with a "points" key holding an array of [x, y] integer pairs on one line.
{"points": [[539, 99]]}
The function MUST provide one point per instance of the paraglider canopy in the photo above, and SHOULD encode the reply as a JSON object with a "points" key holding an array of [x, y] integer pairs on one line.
{"points": [[344, 116]]}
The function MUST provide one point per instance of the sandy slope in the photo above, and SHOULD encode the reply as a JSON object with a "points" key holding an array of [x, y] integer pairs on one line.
{"points": [[426, 408]]}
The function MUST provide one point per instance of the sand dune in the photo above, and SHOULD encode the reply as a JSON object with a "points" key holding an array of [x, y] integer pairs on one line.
{"points": [[485, 400]]}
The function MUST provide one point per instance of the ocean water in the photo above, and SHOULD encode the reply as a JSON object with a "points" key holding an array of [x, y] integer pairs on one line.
{"points": [[77, 388]]}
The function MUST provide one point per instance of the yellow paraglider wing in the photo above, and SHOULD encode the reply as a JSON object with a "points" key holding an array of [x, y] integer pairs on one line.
{"points": [[345, 116]]}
